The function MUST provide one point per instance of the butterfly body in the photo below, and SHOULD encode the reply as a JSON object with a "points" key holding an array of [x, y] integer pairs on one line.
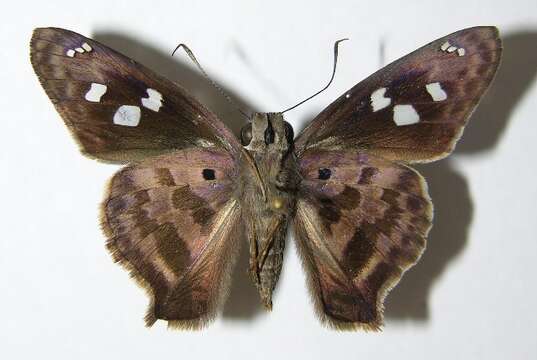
{"points": [[175, 215], [269, 142]]}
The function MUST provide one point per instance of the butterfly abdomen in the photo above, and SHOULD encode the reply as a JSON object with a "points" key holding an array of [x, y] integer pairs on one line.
{"points": [[271, 266]]}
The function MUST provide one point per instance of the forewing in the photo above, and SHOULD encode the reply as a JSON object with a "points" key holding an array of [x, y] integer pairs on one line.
{"points": [[361, 222], [414, 109], [117, 109], [173, 220]]}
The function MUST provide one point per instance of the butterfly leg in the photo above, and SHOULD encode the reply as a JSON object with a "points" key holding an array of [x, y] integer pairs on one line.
{"points": [[269, 240], [270, 257], [257, 259], [254, 269]]}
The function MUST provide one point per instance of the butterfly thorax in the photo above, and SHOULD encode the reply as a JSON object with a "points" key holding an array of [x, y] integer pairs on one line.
{"points": [[268, 196]]}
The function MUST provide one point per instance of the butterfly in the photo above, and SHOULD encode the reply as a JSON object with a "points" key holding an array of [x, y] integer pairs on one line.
{"points": [[176, 215]]}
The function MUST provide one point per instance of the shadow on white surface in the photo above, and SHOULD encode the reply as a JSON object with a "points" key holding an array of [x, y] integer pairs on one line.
{"points": [[453, 211], [516, 74], [449, 190]]}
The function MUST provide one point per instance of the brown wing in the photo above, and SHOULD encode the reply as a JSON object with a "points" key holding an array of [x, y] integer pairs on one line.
{"points": [[414, 109], [361, 221], [117, 109], [173, 221]]}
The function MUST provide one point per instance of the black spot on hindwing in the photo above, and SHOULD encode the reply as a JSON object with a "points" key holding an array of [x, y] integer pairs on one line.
{"points": [[324, 174], [208, 174]]}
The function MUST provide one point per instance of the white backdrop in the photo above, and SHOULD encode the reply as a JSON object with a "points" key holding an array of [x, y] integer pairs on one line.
{"points": [[472, 296]]}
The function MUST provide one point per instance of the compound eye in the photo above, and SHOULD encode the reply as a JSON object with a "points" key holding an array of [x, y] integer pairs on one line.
{"points": [[289, 133], [246, 134]]}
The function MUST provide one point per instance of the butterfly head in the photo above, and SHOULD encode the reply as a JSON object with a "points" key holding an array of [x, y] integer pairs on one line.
{"points": [[269, 140], [267, 131]]}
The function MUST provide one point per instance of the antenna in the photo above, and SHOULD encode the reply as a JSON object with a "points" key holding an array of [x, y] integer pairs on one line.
{"points": [[216, 86], [336, 45]]}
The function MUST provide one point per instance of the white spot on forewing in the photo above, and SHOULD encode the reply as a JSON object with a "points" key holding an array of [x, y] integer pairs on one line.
{"points": [[405, 115], [378, 101], [127, 115], [87, 47], [436, 91], [447, 47], [347, 96], [154, 101], [95, 92], [83, 48]]}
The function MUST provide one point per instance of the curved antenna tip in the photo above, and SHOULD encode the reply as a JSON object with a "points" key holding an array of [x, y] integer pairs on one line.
{"points": [[336, 45]]}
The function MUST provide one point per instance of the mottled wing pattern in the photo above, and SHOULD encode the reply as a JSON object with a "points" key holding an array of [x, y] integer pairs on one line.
{"points": [[117, 109], [173, 221], [414, 109], [361, 221]]}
